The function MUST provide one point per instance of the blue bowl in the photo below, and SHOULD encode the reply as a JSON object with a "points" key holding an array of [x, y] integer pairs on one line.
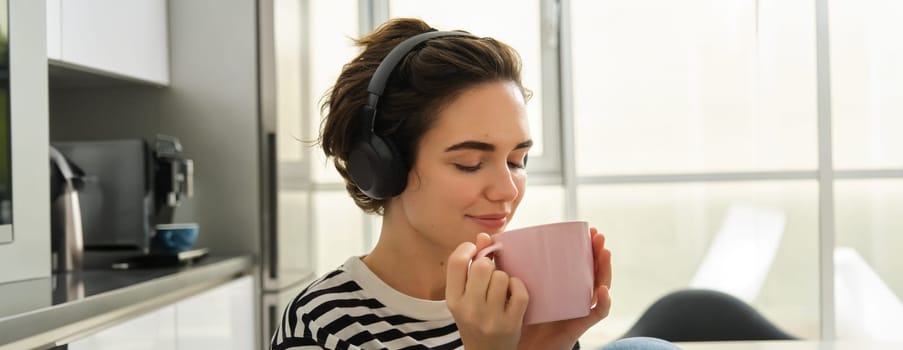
{"points": [[174, 238]]}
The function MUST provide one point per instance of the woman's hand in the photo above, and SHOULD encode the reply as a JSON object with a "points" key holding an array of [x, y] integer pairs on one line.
{"points": [[487, 304], [564, 334]]}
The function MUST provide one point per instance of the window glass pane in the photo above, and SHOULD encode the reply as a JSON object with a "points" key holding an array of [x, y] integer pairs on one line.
{"points": [[866, 83], [339, 229], [756, 241], [666, 86], [333, 25], [867, 261], [541, 205], [518, 27], [287, 46], [295, 253]]}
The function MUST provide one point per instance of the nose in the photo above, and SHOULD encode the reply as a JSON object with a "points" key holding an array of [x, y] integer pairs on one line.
{"points": [[503, 186]]}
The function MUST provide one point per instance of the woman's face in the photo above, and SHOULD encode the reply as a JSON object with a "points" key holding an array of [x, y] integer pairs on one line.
{"points": [[469, 174]]}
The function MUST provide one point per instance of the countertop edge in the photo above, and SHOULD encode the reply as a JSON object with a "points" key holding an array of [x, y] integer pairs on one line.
{"points": [[68, 321]]}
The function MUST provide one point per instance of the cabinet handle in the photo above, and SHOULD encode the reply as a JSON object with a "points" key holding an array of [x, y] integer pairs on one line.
{"points": [[273, 198]]}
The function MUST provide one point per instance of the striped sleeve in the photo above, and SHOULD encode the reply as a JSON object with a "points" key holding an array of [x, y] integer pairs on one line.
{"points": [[292, 334], [335, 312]]}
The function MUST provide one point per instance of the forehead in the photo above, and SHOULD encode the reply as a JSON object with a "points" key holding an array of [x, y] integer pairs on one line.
{"points": [[491, 112]]}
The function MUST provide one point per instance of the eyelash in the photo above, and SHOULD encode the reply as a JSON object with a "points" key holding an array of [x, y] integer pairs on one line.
{"points": [[470, 169]]}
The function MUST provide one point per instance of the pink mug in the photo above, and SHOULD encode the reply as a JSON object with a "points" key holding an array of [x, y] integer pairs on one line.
{"points": [[555, 262]]}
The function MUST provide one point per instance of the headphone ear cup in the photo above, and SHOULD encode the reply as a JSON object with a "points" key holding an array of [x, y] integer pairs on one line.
{"points": [[377, 168], [374, 163]]}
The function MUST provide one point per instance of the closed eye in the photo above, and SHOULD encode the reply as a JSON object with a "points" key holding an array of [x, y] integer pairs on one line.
{"points": [[469, 169], [522, 164]]}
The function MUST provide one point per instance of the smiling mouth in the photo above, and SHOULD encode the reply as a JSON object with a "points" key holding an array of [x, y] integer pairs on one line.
{"points": [[490, 222]]}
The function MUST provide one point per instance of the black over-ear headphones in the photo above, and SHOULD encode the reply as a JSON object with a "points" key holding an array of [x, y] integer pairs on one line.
{"points": [[374, 163]]}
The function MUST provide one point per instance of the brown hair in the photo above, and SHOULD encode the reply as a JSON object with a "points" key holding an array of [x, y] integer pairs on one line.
{"points": [[423, 82]]}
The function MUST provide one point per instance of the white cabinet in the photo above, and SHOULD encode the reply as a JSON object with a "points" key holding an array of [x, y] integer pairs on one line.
{"points": [[221, 318], [153, 331], [126, 39]]}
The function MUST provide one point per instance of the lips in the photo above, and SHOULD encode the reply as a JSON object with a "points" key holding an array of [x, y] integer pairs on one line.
{"points": [[490, 222]]}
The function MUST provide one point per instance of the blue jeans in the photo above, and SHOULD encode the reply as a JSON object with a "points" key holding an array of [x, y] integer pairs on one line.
{"points": [[640, 343]]}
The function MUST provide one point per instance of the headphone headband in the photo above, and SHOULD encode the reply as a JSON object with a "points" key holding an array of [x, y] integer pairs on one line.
{"points": [[378, 82]]}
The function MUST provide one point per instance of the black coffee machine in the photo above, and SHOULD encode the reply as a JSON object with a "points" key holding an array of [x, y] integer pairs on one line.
{"points": [[173, 177], [127, 188]]}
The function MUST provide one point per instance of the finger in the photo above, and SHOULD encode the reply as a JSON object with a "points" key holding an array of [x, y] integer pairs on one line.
{"points": [[603, 304], [478, 279], [593, 233], [604, 273], [483, 241], [517, 302], [456, 272], [497, 292], [599, 234], [602, 262]]}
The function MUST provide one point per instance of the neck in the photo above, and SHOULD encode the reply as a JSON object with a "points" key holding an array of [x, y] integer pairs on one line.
{"points": [[407, 261]]}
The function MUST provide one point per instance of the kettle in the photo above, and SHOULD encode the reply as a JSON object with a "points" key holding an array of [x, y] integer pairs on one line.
{"points": [[67, 238]]}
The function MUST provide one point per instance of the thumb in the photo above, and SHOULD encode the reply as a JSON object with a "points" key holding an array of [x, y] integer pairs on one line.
{"points": [[483, 241]]}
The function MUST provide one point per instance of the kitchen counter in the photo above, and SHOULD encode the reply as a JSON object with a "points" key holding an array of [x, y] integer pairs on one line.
{"points": [[53, 311]]}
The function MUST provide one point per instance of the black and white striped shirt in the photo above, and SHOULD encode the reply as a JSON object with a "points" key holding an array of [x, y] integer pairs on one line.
{"points": [[351, 308]]}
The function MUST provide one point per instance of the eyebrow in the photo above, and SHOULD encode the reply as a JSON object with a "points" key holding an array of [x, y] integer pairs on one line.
{"points": [[483, 146]]}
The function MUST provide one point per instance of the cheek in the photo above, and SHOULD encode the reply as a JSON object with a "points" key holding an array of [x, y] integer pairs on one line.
{"points": [[459, 190], [438, 192]]}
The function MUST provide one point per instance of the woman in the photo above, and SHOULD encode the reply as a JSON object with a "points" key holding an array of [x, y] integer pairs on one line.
{"points": [[437, 144]]}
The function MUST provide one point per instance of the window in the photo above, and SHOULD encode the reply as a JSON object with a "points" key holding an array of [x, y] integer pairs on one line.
{"points": [[670, 236], [541, 204], [867, 83], [695, 128], [664, 87], [867, 110], [869, 276], [339, 225], [333, 26], [339, 229]]}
